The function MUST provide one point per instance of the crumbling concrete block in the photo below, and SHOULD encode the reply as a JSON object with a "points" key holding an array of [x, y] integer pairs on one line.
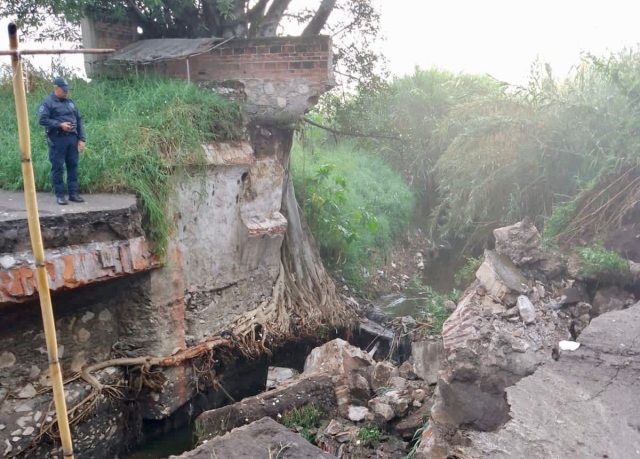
{"points": [[263, 439], [428, 357], [521, 243], [337, 357], [500, 277]]}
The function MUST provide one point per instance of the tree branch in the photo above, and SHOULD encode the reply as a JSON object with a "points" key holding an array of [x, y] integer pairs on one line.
{"points": [[140, 15], [319, 20], [349, 134], [269, 25]]}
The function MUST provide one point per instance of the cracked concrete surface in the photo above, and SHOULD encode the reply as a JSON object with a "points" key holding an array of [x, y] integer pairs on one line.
{"points": [[585, 405]]}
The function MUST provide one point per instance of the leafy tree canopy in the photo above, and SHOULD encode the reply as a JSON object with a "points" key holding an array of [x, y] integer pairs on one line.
{"points": [[354, 24]]}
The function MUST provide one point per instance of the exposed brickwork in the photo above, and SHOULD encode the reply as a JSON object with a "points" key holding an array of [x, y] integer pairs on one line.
{"points": [[276, 59], [114, 35], [76, 266]]}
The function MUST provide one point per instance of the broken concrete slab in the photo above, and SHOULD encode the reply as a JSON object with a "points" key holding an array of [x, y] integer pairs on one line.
{"points": [[337, 357], [428, 357], [610, 299], [76, 266], [585, 405], [102, 218], [317, 389], [500, 277], [263, 439], [521, 243]]}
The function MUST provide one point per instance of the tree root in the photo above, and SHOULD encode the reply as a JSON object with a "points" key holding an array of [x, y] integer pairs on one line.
{"points": [[303, 299], [268, 323]]}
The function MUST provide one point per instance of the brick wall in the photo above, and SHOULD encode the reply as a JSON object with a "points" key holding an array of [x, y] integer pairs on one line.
{"points": [[114, 35], [275, 59]]}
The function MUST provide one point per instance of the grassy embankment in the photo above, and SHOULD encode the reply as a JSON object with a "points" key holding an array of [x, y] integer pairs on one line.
{"points": [[354, 203], [138, 131]]}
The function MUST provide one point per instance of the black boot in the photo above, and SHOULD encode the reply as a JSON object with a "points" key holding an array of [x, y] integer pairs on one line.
{"points": [[61, 200], [75, 198]]}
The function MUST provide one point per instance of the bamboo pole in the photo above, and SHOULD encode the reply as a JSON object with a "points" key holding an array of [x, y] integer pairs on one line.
{"points": [[36, 244], [56, 51]]}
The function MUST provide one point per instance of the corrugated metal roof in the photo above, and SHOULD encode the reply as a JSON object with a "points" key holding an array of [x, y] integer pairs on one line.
{"points": [[160, 49]]}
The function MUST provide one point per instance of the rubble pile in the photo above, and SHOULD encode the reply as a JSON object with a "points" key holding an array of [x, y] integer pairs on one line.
{"points": [[358, 396], [506, 325]]}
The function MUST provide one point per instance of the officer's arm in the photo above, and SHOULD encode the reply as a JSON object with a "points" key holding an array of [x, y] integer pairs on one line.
{"points": [[44, 116], [81, 133]]}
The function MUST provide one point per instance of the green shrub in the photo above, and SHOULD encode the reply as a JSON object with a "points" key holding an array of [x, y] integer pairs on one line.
{"points": [[304, 419], [557, 222], [354, 203], [598, 260], [138, 132], [369, 436], [468, 272]]}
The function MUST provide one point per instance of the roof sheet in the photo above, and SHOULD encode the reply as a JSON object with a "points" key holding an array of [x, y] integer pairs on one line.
{"points": [[160, 49]]}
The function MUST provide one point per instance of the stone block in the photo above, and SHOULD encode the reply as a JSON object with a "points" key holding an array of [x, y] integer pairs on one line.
{"points": [[337, 357], [382, 373], [500, 277], [428, 357]]}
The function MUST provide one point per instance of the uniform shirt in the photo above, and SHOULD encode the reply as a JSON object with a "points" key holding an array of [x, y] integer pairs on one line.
{"points": [[54, 111]]}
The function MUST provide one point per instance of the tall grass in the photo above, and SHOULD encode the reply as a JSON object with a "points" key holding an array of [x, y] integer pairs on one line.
{"points": [[358, 184], [139, 131], [488, 154]]}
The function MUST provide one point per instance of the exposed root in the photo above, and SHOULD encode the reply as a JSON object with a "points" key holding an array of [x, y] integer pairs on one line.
{"points": [[303, 299]]}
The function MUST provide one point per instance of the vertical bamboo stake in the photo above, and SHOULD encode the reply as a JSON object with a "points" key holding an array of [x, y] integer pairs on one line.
{"points": [[38, 248]]}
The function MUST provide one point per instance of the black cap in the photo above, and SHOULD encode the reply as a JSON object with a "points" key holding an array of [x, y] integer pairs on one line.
{"points": [[62, 84]]}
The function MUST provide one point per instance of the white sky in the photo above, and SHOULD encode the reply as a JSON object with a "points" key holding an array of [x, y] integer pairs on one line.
{"points": [[503, 37], [498, 37]]}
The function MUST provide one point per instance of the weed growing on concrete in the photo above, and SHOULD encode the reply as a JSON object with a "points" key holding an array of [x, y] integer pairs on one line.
{"points": [[304, 420], [139, 131], [275, 453], [598, 260]]}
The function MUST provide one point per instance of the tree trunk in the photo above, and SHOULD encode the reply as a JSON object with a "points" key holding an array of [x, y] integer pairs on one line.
{"points": [[320, 18], [269, 25], [310, 292]]}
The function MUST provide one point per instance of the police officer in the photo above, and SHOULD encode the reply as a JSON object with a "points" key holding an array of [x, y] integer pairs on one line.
{"points": [[65, 136]]}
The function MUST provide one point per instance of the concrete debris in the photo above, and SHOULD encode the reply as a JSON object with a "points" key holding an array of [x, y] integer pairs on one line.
{"points": [[7, 359], [600, 377], [382, 373], [500, 277], [278, 375], [526, 309], [521, 243], [568, 345], [27, 391], [337, 357], [428, 357], [262, 439], [357, 413]]}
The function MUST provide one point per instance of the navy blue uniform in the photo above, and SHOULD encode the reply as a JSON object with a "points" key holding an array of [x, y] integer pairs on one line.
{"points": [[63, 146]]}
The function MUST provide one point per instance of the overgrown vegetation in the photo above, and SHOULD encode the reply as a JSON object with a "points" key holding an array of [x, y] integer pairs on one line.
{"points": [[468, 272], [598, 260], [483, 154], [304, 420], [354, 204], [434, 309], [369, 436], [139, 131]]}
